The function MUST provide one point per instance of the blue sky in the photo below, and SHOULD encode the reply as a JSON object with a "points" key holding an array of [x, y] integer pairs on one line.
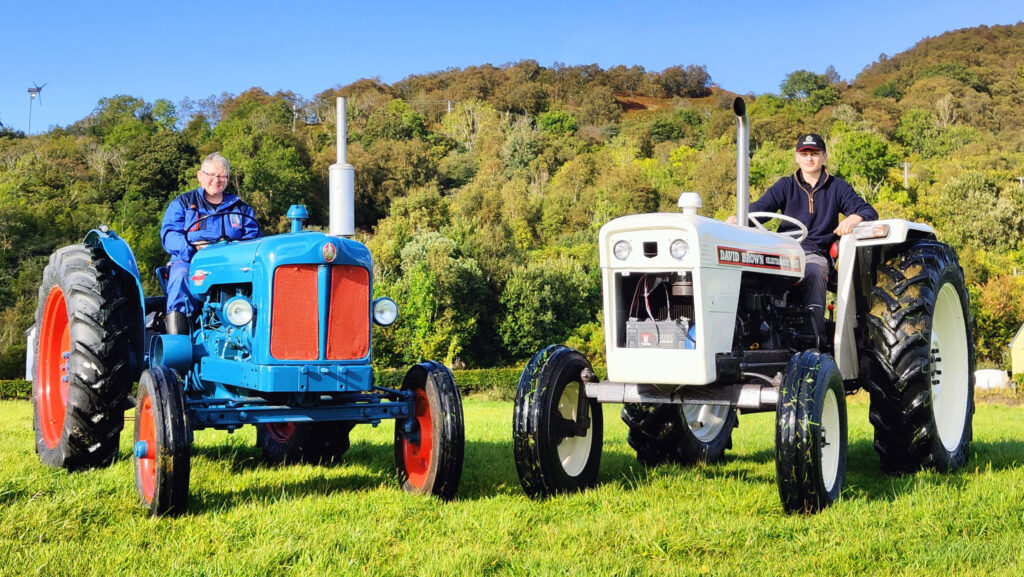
{"points": [[85, 51]]}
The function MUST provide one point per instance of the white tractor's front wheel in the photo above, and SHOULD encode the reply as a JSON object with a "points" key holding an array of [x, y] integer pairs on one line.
{"points": [[557, 434], [810, 433]]}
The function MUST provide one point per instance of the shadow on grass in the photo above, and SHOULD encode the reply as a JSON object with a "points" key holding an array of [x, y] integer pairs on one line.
{"points": [[489, 471]]}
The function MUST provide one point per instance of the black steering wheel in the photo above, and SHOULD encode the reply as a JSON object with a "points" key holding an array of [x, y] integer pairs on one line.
{"points": [[223, 237]]}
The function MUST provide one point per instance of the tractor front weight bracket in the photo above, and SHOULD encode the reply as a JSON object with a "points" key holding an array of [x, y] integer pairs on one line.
{"points": [[232, 417]]}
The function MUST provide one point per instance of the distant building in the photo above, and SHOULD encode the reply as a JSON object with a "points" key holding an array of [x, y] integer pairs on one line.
{"points": [[1017, 352]]}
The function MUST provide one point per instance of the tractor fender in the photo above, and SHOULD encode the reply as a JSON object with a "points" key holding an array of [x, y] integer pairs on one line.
{"points": [[119, 252], [872, 233]]}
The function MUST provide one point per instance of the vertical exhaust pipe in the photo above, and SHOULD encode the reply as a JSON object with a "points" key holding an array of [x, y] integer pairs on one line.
{"points": [[342, 184], [742, 161]]}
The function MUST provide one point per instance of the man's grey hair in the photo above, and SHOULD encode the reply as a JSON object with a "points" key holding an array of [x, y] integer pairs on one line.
{"points": [[216, 158]]}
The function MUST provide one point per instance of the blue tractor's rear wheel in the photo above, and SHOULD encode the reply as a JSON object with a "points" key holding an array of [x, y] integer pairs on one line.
{"points": [[303, 442], [87, 347]]}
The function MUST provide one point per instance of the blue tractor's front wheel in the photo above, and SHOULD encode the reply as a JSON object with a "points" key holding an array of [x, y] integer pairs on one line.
{"points": [[429, 447], [162, 452]]}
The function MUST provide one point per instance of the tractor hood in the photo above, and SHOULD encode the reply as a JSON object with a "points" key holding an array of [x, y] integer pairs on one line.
{"points": [[240, 262], [708, 243]]}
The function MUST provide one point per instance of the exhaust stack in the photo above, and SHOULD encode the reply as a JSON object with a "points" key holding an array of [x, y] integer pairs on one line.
{"points": [[342, 181], [742, 161]]}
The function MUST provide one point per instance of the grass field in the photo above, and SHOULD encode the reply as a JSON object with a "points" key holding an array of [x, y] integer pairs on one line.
{"points": [[246, 518]]}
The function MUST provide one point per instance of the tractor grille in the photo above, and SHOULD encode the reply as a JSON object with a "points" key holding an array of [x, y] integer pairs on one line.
{"points": [[348, 329], [295, 320], [295, 317]]}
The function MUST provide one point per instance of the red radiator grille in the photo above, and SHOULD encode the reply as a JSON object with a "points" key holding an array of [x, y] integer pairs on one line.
{"points": [[295, 316], [348, 332]]}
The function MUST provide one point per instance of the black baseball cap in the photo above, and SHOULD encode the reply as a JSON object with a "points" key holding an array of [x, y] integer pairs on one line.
{"points": [[810, 141]]}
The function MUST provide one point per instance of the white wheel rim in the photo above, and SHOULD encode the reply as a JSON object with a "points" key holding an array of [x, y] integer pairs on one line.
{"points": [[705, 421], [830, 440], [573, 452], [949, 367]]}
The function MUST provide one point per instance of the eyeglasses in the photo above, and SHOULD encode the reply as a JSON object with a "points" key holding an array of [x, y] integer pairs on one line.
{"points": [[215, 176]]}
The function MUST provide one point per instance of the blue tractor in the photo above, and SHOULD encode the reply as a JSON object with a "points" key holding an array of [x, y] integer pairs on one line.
{"points": [[283, 342]]}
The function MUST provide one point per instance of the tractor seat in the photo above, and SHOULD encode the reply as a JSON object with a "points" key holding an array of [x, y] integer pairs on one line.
{"points": [[163, 273], [832, 284]]}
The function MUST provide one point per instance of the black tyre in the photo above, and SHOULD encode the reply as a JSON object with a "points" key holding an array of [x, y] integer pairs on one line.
{"points": [[162, 451], [550, 453], [429, 448], [684, 434], [303, 442], [87, 353], [921, 376], [810, 433]]}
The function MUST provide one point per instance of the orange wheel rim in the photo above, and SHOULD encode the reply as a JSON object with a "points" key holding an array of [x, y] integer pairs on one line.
{"points": [[52, 372], [147, 434], [417, 456], [280, 432]]}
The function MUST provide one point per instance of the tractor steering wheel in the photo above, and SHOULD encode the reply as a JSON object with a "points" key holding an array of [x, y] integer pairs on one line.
{"points": [[798, 235], [223, 237]]}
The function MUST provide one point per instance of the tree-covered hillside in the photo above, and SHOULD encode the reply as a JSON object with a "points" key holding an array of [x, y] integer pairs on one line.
{"points": [[480, 190]]}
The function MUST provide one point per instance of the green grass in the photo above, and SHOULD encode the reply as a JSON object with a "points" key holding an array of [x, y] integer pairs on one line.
{"points": [[246, 518]]}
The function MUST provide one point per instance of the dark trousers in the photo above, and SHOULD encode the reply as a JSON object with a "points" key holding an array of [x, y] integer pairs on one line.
{"points": [[814, 285]]}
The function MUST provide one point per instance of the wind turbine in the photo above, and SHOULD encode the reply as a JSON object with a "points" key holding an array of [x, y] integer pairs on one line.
{"points": [[33, 92]]}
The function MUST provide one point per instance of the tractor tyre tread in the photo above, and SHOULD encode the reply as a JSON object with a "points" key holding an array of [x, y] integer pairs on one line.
{"points": [[106, 331], [899, 328]]}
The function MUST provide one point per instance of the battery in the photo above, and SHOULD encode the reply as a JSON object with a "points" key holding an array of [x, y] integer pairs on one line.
{"points": [[677, 334]]}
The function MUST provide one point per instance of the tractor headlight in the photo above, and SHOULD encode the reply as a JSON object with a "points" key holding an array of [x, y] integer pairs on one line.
{"points": [[622, 249], [678, 248], [385, 311], [872, 230], [238, 311]]}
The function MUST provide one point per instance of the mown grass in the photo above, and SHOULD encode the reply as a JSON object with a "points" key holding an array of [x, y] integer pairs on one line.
{"points": [[246, 518]]}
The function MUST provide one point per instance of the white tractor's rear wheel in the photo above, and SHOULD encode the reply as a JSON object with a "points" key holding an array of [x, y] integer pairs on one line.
{"points": [[684, 434], [922, 362]]}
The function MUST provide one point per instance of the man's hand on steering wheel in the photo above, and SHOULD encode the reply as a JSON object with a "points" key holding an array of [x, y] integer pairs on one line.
{"points": [[198, 245]]}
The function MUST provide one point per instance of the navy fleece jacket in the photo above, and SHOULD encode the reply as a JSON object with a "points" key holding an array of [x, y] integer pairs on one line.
{"points": [[818, 207]]}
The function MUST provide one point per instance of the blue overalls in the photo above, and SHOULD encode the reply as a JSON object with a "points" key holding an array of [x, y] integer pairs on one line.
{"points": [[236, 222]]}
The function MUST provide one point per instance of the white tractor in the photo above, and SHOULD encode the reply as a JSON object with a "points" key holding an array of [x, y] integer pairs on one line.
{"points": [[704, 320]]}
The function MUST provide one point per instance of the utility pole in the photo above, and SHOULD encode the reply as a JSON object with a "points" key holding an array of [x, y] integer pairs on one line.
{"points": [[906, 175], [451, 104], [1021, 179]]}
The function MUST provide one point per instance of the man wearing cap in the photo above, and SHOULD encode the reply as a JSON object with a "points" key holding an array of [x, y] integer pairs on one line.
{"points": [[815, 198]]}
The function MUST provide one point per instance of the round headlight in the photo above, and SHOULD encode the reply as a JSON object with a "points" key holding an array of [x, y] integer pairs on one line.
{"points": [[678, 249], [238, 311], [622, 249], [385, 311]]}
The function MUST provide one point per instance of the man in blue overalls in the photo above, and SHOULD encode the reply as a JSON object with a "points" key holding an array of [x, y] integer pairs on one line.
{"points": [[192, 221]]}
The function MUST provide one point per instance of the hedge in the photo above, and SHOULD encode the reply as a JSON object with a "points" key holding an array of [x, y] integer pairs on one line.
{"points": [[497, 383], [15, 389]]}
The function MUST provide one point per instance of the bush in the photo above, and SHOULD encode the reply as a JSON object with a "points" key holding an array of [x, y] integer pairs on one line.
{"points": [[497, 384], [15, 389]]}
